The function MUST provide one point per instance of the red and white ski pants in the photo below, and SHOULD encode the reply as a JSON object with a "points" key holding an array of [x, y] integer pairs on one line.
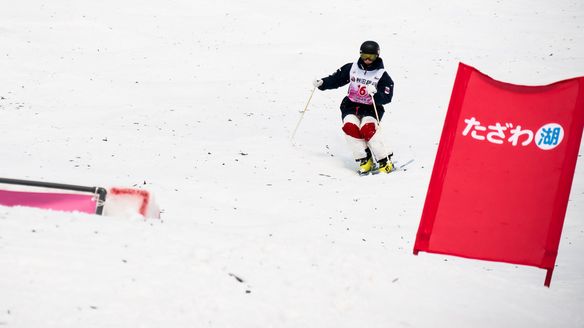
{"points": [[362, 134]]}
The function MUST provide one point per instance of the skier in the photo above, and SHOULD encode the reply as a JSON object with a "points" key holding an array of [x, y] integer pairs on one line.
{"points": [[368, 82]]}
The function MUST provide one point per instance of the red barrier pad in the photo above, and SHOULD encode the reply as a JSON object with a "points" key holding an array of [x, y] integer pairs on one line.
{"points": [[47, 200]]}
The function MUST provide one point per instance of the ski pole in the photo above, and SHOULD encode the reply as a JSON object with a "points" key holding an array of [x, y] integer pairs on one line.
{"points": [[375, 108], [301, 116], [376, 114]]}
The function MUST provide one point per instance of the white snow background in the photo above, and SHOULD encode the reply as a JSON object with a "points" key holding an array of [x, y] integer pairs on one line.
{"points": [[196, 101]]}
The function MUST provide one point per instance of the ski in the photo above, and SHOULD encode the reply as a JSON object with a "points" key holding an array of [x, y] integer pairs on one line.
{"points": [[402, 167], [364, 173], [396, 167]]}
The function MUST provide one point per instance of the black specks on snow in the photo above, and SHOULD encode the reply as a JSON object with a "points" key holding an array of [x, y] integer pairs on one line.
{"points": [[240, 280]]}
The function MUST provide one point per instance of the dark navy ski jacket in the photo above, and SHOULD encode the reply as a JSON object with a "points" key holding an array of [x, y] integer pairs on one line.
{"points": [[342, 75]]}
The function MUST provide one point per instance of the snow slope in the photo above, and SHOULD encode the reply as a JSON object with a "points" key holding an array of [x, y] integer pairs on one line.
{"points": [[196, 101]]}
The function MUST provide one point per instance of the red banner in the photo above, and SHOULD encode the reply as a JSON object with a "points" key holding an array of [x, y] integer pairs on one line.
{"points": [[503, 172]]}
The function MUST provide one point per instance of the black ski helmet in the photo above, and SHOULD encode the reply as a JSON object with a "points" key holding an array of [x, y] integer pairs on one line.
{"points": [[370, 47]]}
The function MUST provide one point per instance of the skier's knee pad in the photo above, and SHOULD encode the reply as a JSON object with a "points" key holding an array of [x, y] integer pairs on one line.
{"points": [[351, 126], [352, 130], [368, 127], [368, 131]]}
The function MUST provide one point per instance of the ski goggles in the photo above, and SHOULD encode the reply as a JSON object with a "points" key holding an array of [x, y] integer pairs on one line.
{"points": [[371, 57]]}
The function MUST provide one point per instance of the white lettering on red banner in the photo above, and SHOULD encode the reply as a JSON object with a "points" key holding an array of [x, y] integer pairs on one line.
{"points": [[547, 137]]}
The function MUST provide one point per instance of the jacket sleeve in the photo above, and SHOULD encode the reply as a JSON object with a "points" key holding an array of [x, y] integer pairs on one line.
{"points": [[384, 90], [337, 79]]}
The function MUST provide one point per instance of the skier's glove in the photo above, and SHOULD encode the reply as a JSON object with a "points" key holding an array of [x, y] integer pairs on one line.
{"points": [[317, 83], [371, 89]]}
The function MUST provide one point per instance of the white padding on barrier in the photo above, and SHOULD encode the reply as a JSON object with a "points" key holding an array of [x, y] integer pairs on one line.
{"points": [[129, 202]]}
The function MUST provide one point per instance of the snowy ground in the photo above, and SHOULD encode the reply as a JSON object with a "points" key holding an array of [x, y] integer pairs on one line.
{"points": [[196, 101]]}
